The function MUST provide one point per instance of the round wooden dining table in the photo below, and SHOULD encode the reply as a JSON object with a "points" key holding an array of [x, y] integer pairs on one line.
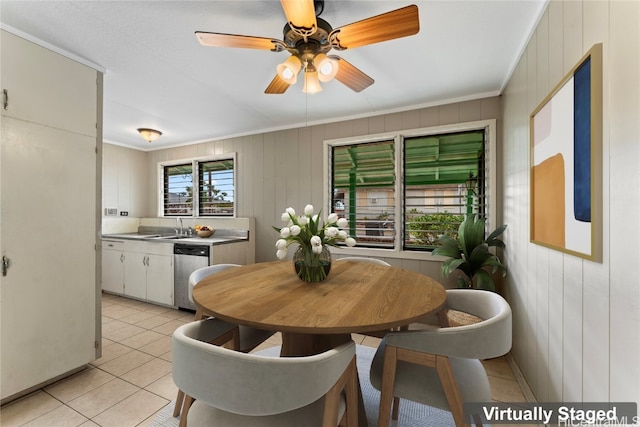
{"points": [[356, 297]]}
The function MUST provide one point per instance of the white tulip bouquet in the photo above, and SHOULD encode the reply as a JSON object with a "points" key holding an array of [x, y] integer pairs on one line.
{"points": [[311, 234]]}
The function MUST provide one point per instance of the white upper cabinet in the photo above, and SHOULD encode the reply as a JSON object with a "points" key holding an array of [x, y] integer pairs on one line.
{"points": [[47, 88]]}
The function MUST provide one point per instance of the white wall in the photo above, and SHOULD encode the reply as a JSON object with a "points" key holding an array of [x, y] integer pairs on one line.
{"points": [[576, 322]]}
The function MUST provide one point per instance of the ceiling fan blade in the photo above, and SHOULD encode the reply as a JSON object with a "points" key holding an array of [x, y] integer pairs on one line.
{"points": [[351, 76], [277, 86], [388, 26], [301, 16], [233, 40]]}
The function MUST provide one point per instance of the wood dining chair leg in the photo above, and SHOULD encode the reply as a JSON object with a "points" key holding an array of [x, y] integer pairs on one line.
{"points": [[386, 389], [179, 400], [395, 409], [188, 401], [451, 391]]}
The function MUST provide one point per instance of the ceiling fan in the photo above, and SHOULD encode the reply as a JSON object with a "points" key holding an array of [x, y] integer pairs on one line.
{"points": [[308, 38]]}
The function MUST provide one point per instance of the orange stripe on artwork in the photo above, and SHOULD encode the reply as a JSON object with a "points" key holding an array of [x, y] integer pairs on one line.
{"points": [[548, 201]]}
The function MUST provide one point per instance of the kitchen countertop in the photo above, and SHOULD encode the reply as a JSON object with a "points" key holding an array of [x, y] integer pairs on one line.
{"points": [[209, 241]]}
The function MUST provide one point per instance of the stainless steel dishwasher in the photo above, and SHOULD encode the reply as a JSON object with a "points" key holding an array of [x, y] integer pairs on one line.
{"points": [[187, 259]]}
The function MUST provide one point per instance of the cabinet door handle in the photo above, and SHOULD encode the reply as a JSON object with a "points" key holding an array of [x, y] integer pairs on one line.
{"points": [[121, 257], [5, 99], [6, 263]]}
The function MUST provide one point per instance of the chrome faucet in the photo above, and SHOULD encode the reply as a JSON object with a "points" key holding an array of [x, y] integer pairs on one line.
{"points": [[179, 222]]}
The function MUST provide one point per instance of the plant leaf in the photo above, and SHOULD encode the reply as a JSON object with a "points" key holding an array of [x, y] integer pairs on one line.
{"points": [[451, 264], [449, 247], [493, 240], [479, 256], [484, 280], [471, 234], [464, 284]]}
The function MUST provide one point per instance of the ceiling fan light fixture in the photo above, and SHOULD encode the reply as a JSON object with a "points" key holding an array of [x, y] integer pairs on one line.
{"points": [[327, 67], [311, 82], [149, 134], [289, 69]]}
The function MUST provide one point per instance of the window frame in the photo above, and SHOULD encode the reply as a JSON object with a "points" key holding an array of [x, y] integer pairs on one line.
{"points": [[491, 185], [195, 164]]}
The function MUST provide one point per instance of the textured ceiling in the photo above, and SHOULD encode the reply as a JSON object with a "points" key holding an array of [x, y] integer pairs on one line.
{"points": [[159, 76]]}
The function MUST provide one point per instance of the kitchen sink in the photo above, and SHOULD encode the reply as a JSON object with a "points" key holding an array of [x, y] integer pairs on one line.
{"points": [[133, 236], [170, 237]]}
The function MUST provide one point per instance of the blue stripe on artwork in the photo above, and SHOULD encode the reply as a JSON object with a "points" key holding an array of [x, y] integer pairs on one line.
{"points": [[582, 142]]}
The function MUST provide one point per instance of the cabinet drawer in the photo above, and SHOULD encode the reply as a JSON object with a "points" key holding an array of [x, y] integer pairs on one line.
{"points": [[115, 245], [156, 248]]}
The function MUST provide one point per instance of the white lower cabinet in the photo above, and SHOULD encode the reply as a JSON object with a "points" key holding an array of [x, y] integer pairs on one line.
{"points": [[135, 274], [142, 270], [113, 266], [160, 278]]}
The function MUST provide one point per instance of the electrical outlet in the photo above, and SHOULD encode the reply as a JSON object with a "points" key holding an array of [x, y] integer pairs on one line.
{"points": [[124, 213], [110, 211]]}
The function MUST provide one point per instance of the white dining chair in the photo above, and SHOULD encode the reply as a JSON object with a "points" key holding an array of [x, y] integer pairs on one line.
{"points": [[441, 367], [200, 274], [246, 338], [364, 259], [233, 389], [242, 338]]}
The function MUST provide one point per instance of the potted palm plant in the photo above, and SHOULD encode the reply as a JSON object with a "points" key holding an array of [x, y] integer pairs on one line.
{"points": [[470, 253]]}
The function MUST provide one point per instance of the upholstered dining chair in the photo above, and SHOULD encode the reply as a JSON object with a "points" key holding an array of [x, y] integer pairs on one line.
{"points": [[232, 388], [441, 367], [364, 259], [242, 338]]}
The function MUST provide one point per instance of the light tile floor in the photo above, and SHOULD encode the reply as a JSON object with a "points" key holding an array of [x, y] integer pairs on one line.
{"points": [[132, 381]]}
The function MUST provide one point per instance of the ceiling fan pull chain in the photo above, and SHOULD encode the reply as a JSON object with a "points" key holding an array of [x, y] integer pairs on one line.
{"points": [[306, 109]]}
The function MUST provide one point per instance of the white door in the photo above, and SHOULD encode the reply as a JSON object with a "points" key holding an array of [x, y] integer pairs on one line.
{"points": [[48, 226]]}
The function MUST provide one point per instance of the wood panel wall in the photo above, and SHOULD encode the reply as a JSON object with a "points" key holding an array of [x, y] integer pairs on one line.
{"points": [[576, 322]]}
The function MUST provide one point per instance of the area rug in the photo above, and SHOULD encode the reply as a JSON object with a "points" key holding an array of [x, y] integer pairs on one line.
{"points": [[412, 414]]}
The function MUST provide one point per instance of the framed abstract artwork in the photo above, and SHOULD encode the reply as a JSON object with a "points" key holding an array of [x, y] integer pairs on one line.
{"points": [[566, 162]]}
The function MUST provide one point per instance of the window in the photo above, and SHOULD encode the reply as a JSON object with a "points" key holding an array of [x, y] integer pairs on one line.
{"points": [[215, 195], [178, 190], [215, 188], [363, 181], [401, 191], [442, 174]]}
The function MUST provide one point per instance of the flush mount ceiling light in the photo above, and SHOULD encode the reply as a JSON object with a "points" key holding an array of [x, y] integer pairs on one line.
{"points": [[308, 39], [149, 134]]}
